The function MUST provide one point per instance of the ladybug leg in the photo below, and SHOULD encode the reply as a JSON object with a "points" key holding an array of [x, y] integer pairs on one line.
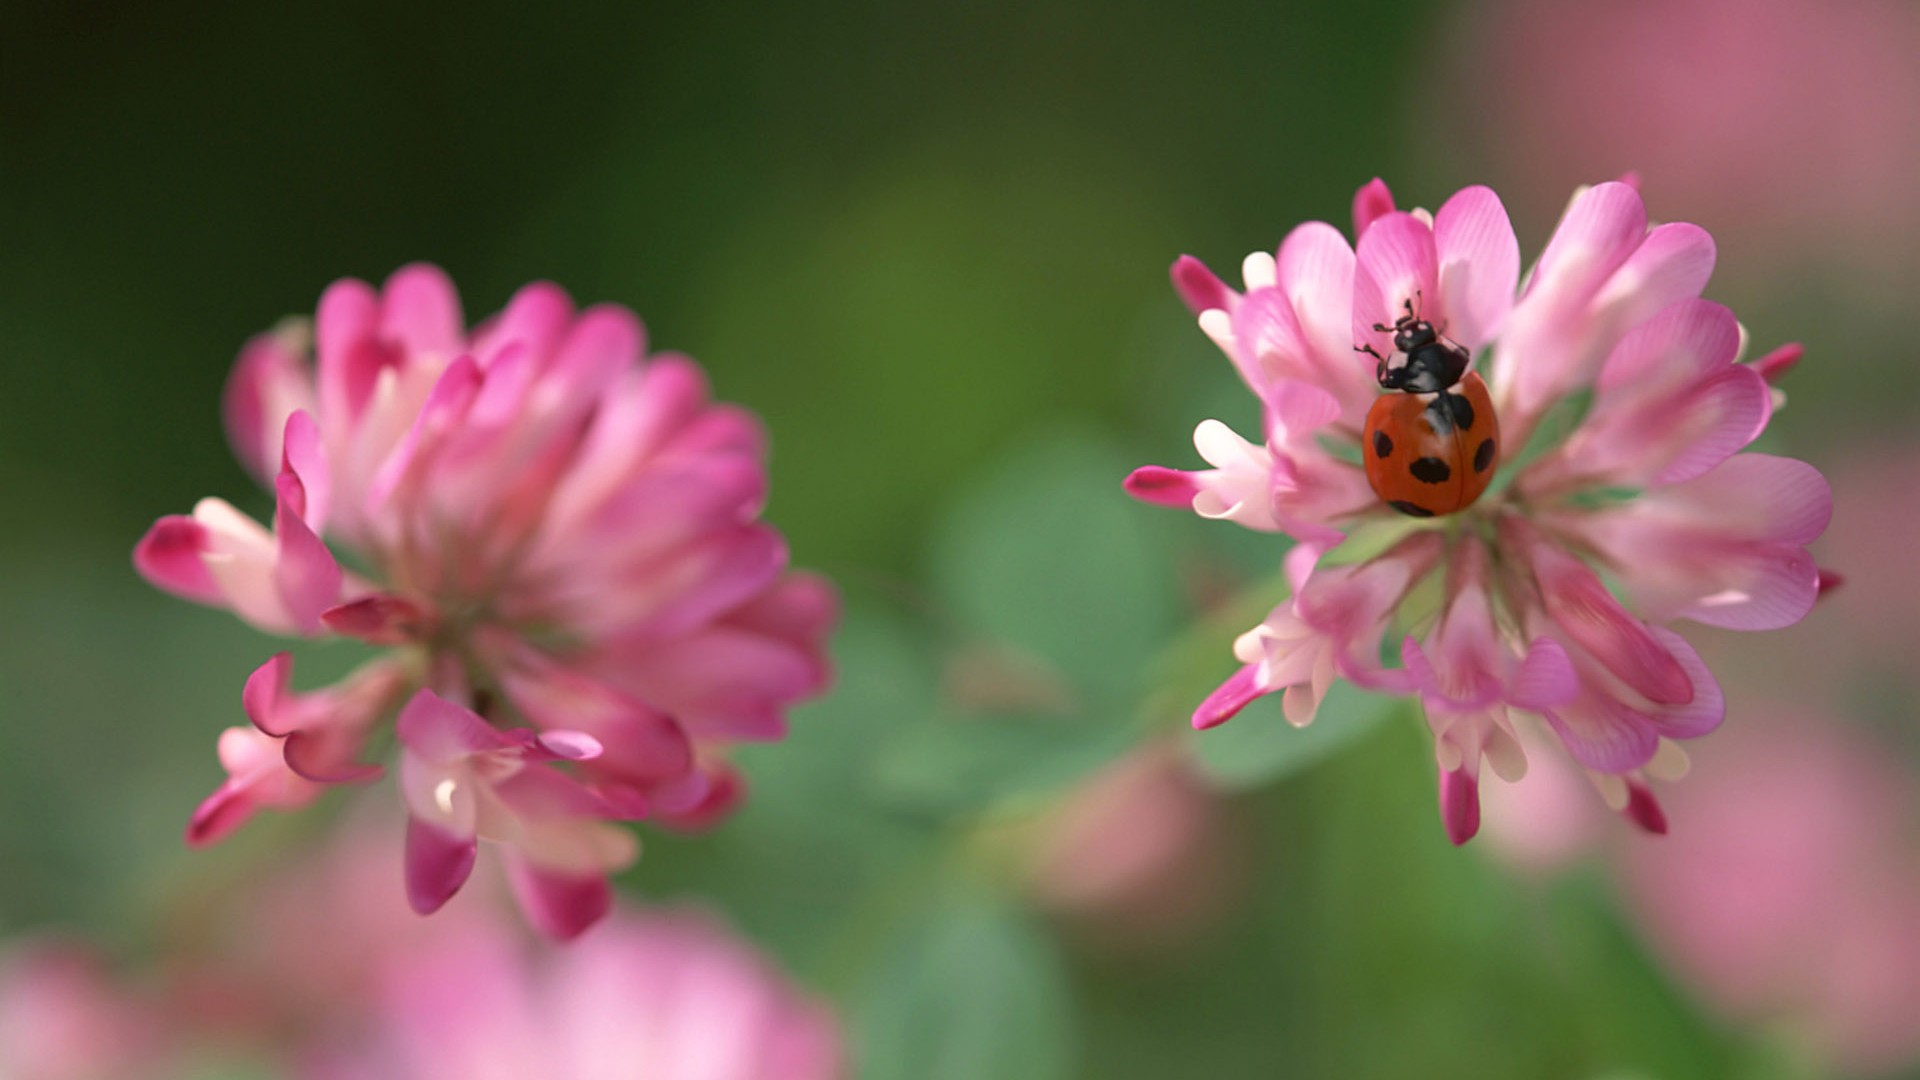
{"points": [[1380, 362]]}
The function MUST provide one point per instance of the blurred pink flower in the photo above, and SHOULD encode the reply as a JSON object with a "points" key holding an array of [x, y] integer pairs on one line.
{"points": [[1503, 606], [1793, 895], [1143, 852], [663, 996], [556, 530], [62, 1017], [1798, 121]]}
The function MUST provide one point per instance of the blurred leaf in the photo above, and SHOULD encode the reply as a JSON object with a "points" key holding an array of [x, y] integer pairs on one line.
{"points": [[1047, 555], [1259, 746], [975, 993], [955, 763]]}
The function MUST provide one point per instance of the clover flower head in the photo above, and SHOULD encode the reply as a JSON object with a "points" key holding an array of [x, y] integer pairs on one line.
{"points": [[1618, 498], [556, 542]]}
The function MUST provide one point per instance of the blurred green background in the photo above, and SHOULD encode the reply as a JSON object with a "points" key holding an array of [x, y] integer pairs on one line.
{"points": [[929, 245]]}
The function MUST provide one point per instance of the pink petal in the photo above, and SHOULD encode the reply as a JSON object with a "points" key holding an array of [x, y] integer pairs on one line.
{"points": [[453, 392], [1545, 679], [1581, 606], [265, 698], [1268, 343], [722, 682], [440, 732], [722, 792], [536, 318], [305, 575], [604, 342], [561, 906], [1673, 263], [1314, 268], [1371, 203], [1460, 804], [1604, 734], [1395, 264], [802, 609], [1708, 706], [437, 863], [220, 814], [325, 755], [302, 455], [380, 619], [1479, 264], [569, 745], [269, 381], [420, 311], [349, 355], [639, 744], [1602, 227], [677, 594], [168, 556], [1233, 695]]}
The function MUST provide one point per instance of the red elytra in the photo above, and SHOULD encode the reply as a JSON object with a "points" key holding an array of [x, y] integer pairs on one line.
{"points": [[1429, 455]]}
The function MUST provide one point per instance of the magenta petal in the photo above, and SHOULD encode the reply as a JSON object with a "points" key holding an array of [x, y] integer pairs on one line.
{"points": [[1199, 288], [437, 863], [219, 814], [561, 906], [1580, 603], [168, 556], [1371, 203], [1479, 264], [1644, 810], [1162, 486], [1232, 696], [1459, 805], [304, 574], [1707, 707], [264, 698], [440, 731], [326, 757], [380, 619], [1775, 365]]}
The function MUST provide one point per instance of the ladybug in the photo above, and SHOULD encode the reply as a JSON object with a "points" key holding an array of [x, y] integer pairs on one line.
{"points": [[1432, 441]]}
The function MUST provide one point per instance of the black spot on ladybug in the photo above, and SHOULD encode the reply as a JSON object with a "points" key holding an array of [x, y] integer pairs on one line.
{"points": [[1483, 457], [1430, 470], [1449, 412], [1410, 509], [1382, 445], [1462, 410]]}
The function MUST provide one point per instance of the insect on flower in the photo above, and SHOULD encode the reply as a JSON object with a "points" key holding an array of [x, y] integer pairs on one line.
{"points": [[1431, 449], [1531, 584]]}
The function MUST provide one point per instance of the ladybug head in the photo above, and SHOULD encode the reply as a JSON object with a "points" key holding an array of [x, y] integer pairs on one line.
{"points": [[1410, 333]]}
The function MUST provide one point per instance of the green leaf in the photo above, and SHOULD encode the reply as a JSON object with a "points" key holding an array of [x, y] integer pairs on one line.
{"points": [[976, 992], [955, 763], [1259, 747], [1048, 556]]}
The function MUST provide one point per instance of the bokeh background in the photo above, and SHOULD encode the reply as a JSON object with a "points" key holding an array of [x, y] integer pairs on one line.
{"points": [[929, 245]]}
